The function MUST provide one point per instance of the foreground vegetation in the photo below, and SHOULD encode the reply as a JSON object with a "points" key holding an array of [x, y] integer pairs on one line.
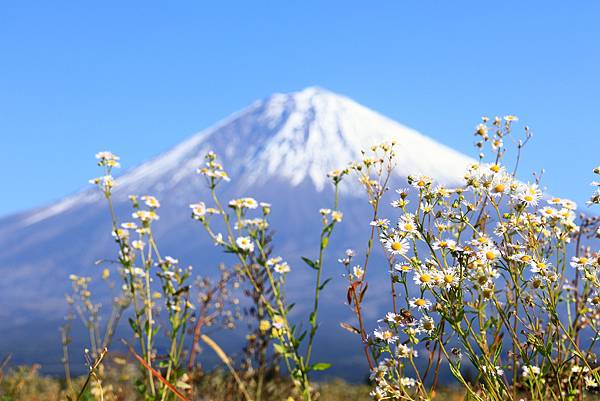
{"points": [[491, 276]]}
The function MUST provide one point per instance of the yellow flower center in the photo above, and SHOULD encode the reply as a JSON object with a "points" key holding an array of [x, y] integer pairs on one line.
{"points": [[425, 278], [396, 246], [525, 258], [495, 168], [420, 302], [528, 198], [448, 278], [421, 183], [490, 255], [583, 261], [499, 188]]}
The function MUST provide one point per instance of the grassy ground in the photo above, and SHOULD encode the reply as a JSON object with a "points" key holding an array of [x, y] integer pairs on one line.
{"points": [[27, 384]]}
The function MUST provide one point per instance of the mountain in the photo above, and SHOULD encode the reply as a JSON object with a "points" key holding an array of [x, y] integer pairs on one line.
{"points": [[277, 150]]}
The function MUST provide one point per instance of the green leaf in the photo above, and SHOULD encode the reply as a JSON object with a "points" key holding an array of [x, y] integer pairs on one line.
{"points": [[324, 284], [310, 263], [320, 366]]}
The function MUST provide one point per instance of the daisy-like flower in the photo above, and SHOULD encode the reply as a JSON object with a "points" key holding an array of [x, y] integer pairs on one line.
{"points": [[497, 143], [481, 241], [426, 325], [442, 192], [539, 267], [594, 300], [282, 268], [399, 203], [530, 371], [426, 207], [548, 212], [385, 335], [489, 253], [120, 233], [358, 272], [273, 261], [106, 155], [151, 201], [222, 175], [407, 224], [395, 245], [107, 158], [448, 278], [521, 257], [335, 173], [137, 244], [493, 169], [529, 194], [403, 351], [380, 223], [511, 118], [481, 130], [250, 203], [337, 216], [391, 318], [420, 303], [579, 369], [444, 244], [420, 182], [245, 244], [403, 192], [129, 226], [554, 201], [424, 278], [590, 382], [198, 209], [402, 268], [569, 204], [145, 215], [580, 263], [500, 184], [106, 182], [566, 215]]}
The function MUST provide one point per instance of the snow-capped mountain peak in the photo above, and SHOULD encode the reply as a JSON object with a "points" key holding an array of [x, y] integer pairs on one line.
{"points": [[299, 137], [291, 137]]}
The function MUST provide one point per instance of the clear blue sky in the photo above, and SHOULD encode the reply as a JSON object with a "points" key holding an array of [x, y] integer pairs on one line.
{"points": [[138, 77]]}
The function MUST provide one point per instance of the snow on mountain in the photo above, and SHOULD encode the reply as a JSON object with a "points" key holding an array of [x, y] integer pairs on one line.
{"points": [[278, 150], [294, 137]]}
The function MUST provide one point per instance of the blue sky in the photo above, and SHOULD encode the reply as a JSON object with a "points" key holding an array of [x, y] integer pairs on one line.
{"points": [[138, 77]]}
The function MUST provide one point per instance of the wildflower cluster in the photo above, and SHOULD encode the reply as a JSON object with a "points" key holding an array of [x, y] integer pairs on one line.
{"points": [[154, 285], [486, 270], [247, 236]]}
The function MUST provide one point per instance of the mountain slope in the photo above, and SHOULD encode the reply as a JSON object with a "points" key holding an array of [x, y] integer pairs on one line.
{"points": [[277, 150]]}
